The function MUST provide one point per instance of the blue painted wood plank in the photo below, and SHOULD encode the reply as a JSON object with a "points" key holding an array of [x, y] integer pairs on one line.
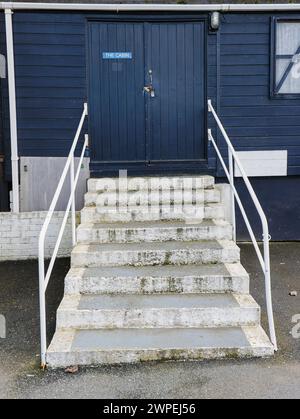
{"points": [[59, 17], [50, 28], [53, 82], [244, 70], [243, 28], [246, 80], [39, 71], [245, 39], [245, 59], [50, 60], [266, 121], [261, 111], [48, 49], [49, 39], [248, 49]]}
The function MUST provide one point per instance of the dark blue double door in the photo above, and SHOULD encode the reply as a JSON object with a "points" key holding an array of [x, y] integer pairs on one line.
{"points": [[146, 96]]}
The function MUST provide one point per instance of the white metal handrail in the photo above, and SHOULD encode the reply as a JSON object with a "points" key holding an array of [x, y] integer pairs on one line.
{"points": [[44, 278], [264, 258]]}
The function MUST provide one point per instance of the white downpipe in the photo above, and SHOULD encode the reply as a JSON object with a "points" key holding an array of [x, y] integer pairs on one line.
{"points": [[12, 109], [152, 7]]}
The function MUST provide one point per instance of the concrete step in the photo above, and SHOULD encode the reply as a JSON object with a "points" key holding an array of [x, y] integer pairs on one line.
{"points": [[187, 213], [219, 278], [152, 183], [167, 310], [115, 346], [133, 198], [136, 232], [167, 253]]}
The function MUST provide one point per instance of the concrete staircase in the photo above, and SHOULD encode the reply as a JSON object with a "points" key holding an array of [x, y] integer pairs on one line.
{"points": [[152, 279]]}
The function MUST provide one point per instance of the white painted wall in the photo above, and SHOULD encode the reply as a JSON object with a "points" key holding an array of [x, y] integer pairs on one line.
{"points": [[19, 235]]}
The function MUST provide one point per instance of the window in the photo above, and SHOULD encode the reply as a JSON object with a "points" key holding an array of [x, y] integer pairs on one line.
{"points": [[286, 52]]}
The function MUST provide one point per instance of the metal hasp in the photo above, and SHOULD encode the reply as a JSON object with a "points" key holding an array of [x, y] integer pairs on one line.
{"points": [[44, 278], [265, 258], [12, 109], [150, 89]]}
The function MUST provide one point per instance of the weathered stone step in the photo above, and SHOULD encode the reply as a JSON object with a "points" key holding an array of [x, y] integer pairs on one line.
{"points": [[132, 198], [97, 347], [153, 183], [187, 213], [135, 232], [167, 253], [166, 310], [158, 279]]}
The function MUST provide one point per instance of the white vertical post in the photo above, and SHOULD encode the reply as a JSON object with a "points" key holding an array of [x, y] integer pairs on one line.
{"points": [[12, 109], [231, 172], [42, 291], [73, 209], [267, 272]]}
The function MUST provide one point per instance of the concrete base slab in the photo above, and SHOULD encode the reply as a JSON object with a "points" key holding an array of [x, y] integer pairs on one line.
{"points": [[96, 347]]}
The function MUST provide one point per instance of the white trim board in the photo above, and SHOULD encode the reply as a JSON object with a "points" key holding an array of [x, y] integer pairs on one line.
{"points": [[117, 7], [263, 163]]}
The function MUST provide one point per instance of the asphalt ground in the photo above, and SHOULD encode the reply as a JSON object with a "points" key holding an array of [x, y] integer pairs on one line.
{"points": [[21, 377]]}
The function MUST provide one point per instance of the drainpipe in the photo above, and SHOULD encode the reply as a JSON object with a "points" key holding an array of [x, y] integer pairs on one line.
{"points": [[12, 109]]}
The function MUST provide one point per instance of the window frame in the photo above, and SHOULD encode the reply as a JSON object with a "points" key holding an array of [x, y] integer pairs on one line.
{"points": [[273, 92]]}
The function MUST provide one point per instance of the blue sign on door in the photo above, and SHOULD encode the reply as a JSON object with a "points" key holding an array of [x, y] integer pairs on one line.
{"points": [[117, 55]]}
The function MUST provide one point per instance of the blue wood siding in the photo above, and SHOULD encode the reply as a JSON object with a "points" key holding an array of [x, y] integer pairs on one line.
{"points": [[50, 56], [253, 120], [50, 59], [50, 81]]}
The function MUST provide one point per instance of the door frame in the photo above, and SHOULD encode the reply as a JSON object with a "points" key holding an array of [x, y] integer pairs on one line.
{"points": [[163, 167]]}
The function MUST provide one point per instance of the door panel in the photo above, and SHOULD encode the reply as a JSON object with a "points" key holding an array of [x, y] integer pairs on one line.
{"points": [[127, 125], [116, 102], [176, 113]]}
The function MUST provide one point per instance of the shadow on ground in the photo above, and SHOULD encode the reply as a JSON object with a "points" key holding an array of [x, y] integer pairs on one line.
{"points": [[20, 376]]}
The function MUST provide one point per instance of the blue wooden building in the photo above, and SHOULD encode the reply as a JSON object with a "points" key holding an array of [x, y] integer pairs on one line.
{"points": [[146, 72]]}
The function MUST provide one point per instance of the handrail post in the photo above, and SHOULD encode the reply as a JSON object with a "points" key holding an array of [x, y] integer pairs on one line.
{"points": [[42, 297], [265, 258], [267, 273], [73, 209], [44, 279], [231, 172]]}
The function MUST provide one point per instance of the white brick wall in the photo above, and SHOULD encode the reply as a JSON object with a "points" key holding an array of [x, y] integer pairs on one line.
{"points": [[19, 235]]}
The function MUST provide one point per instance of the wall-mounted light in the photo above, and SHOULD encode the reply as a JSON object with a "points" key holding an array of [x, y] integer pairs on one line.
{"points": [[215, 20]]}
